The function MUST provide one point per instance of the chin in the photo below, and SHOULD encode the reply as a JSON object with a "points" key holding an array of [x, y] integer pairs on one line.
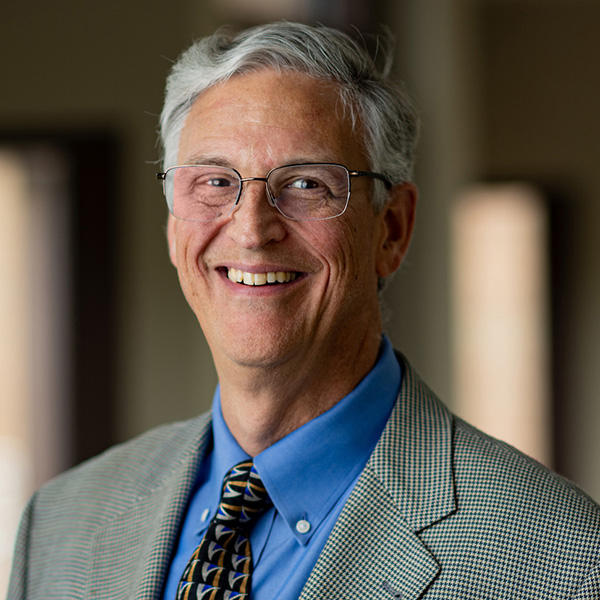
{"points": [[261, 353]]}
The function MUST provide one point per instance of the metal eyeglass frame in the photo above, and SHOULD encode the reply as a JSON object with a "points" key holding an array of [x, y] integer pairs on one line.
{"points": [[162, 176]]}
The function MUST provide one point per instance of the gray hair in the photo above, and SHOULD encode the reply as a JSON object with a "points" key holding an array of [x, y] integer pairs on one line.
{"points": [[381, 106]]}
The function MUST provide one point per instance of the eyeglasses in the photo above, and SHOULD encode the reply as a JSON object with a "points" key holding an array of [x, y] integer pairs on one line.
{"points": [[312, 191]]}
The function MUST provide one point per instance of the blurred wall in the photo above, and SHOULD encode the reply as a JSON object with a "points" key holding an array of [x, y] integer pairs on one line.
{"points": [[509, 90], [489, 77], [101, 66], [540, 82]]}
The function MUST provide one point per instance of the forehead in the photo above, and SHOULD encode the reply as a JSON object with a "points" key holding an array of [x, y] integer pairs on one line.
{"points": [[273, 117]]}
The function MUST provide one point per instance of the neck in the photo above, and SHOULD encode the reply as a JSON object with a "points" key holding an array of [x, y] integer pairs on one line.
{"points": [[263, 404]]}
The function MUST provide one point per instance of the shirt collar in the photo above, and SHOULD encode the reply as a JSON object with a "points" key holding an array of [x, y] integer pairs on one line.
{"points": [[226, 452], [307, 471]]}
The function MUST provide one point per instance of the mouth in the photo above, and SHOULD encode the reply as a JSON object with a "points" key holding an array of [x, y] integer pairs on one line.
{"points": [[257, 279]]}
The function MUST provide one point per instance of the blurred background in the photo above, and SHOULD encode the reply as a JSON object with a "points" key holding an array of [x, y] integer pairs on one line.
{"points": [[497, 304]]}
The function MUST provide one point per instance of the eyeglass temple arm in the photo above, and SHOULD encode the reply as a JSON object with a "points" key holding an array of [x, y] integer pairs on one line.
{"points": [[386, 181], [161, 176]]}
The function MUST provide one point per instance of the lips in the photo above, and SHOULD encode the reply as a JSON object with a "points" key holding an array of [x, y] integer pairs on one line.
{"points": [[269, 277]]}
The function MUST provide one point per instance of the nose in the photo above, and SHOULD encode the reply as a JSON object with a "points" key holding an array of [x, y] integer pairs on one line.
{"points": [[254, 222]]}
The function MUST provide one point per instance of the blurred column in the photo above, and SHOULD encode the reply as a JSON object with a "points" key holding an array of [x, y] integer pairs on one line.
{"points": [[501, 326], [34, 331], [15, 350]]}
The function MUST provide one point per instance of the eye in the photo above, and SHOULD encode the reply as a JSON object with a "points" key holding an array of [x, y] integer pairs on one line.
{"points": [[205, 181], [304, 183], [218, 182]]}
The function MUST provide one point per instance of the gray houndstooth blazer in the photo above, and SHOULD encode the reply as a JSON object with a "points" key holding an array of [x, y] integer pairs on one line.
{"points": [[440, 511]]}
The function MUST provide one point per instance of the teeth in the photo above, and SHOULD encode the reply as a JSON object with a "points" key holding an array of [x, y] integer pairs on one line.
{"points": [[239, 276]]}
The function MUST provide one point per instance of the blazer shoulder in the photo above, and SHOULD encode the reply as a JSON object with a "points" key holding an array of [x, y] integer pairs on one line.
{"points": [[128, 497], [486, 467], [130, 470]]}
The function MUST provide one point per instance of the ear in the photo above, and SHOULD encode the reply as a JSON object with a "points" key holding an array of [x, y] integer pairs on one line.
{"points": [[172, 239], [397, 222]]}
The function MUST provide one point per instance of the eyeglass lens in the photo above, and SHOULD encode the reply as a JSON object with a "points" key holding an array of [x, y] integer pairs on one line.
{"points": [[206, 193]]}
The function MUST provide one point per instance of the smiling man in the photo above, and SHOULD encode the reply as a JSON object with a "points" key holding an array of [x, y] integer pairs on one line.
{"points": [[326, 469]]}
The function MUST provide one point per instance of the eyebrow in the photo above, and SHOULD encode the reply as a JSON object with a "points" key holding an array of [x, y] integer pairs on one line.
{"points": [[215, 161]]}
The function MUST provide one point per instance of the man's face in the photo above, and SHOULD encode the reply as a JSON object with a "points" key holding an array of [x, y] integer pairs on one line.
{"points": [[329, 307]]}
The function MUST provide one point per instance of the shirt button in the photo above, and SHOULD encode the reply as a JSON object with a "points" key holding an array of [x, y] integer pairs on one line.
{"points": [[302, 526]]}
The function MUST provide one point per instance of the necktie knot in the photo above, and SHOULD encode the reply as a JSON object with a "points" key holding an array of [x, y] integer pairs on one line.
{"points": [[243, 497]]}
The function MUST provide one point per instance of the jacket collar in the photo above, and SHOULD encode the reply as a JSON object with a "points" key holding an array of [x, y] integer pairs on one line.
{"points": [[375, 550], [413, 459], [130, 553]]}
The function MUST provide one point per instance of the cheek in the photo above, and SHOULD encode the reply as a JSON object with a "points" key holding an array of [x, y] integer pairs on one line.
{"points": [[188, 243], [189, 240], [348, 250]]}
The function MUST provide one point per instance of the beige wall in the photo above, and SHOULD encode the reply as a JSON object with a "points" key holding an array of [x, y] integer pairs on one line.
{"points": [[83, 64]]}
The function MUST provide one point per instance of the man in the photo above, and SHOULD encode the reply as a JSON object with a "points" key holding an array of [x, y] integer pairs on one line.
{"points": [[288, 159]]}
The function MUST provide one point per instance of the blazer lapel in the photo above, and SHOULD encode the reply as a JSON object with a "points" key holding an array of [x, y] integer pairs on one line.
{"points": [[131, 553], [374, 551]]}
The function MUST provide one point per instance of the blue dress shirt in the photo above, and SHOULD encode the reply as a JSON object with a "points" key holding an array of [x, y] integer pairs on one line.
{"points": [[309, 475]]}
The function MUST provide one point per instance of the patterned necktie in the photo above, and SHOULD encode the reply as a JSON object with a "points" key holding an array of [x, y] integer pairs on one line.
{"points": [[221, 566]]}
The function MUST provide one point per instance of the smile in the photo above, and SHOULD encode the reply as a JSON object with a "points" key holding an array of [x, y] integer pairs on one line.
{"points": [[245, 278]]}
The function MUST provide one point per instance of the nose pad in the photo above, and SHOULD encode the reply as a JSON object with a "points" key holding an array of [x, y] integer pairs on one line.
{"points": [[247, 180], [259, 224]]}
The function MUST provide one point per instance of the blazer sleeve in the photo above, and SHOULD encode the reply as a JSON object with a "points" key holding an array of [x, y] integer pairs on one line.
{"points": [[17, 587]]}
